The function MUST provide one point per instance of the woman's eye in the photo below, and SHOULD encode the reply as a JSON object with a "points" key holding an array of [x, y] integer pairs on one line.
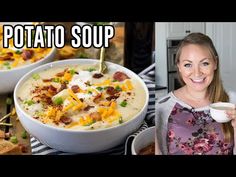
{"points": [[205, 63], [187, 65]]}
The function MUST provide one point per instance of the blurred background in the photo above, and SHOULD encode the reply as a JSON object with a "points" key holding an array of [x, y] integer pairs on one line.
{"points": [[132, 45]]}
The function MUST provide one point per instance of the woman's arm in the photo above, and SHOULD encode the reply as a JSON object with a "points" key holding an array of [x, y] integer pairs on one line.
{"points": [[157, 147]]}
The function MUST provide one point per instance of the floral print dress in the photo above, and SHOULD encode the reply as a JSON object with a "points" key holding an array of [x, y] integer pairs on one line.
{"points": [[195, 132]]}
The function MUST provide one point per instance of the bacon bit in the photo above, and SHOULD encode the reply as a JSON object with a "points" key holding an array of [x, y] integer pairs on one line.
{"points": [[96, 116], [36, 98], [81, 99], [52, 90], [97, 75], [97, 98], [37, 90], [47, 80], [59, 107], [63, 86], [4, 58], [65, 120], [111, 90], [27, 54], [44, 88], [60, 74], [87, 108], [120, 76], [23, 148], [10, 54], [36, 117], [42, 97], [129, 93], [112, 97], [75, 88]]}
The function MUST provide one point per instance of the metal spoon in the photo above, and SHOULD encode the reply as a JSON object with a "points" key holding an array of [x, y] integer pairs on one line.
{"points": [[102, 66]]}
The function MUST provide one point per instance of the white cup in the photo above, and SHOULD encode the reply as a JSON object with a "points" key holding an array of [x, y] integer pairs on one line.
{"points": [[218, 111], [143, 139]]}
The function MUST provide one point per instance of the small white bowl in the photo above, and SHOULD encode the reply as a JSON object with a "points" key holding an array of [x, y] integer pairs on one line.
{"points": [[9, 78], [217, 111], [143, 139]]}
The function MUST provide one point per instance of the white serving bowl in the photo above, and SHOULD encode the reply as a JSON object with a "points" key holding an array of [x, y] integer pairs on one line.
{"points": [[217, 111], [9, 78], [142, 140], [79, 141]]}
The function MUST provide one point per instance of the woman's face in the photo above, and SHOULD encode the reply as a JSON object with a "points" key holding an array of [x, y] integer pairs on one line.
{"points": [[196, 66]]}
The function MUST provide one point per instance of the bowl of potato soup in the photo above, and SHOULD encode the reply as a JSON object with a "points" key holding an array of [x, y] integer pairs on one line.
{"points": [[14, 62], [70, 106]]}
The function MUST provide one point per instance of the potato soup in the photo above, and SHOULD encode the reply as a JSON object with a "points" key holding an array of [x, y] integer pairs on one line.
{"points": [[79, 97]]}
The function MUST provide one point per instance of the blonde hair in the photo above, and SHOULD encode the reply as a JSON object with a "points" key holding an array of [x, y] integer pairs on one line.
{"points": [[215, 90]]}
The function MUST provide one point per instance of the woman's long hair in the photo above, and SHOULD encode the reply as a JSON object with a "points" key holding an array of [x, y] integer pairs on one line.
{"points": [[215, 90]]}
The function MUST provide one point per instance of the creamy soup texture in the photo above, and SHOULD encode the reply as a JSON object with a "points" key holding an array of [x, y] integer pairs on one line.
{"points": [[12, 57], [79, 97]]}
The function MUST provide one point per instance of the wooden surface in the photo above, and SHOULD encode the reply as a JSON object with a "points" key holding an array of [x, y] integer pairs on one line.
{"points": [[16, 129]]}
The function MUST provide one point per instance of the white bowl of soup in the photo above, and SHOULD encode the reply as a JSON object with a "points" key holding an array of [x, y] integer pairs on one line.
{"points": [[70, 106], [218, 111], [14, 63], [144, 142]]}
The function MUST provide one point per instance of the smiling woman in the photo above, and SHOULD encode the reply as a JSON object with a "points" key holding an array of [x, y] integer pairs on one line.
{"points": [[183, 119]]}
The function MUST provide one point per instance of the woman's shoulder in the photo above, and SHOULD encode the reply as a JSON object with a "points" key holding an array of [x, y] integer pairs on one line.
{"points": [[166, 102], [164, 99]]}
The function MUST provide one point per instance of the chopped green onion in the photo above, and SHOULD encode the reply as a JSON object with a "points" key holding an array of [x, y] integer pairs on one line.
{"points": [[99, 88], [118, 88], [56, 79], [24, 135], [90, 92], [6, 63], [114, 80], [120, 120], [58, 101], [123, 104], [35, 76], [14, 139], [18, 52], [91, 69], [90, 123], [9, 101], [72, 71], [29, 102]]}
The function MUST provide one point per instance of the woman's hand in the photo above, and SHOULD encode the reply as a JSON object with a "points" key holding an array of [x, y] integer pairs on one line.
{"points": [[232, 115]]}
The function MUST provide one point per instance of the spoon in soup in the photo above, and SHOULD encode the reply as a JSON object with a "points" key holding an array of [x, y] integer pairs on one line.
{"points": [[102, 66]]}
